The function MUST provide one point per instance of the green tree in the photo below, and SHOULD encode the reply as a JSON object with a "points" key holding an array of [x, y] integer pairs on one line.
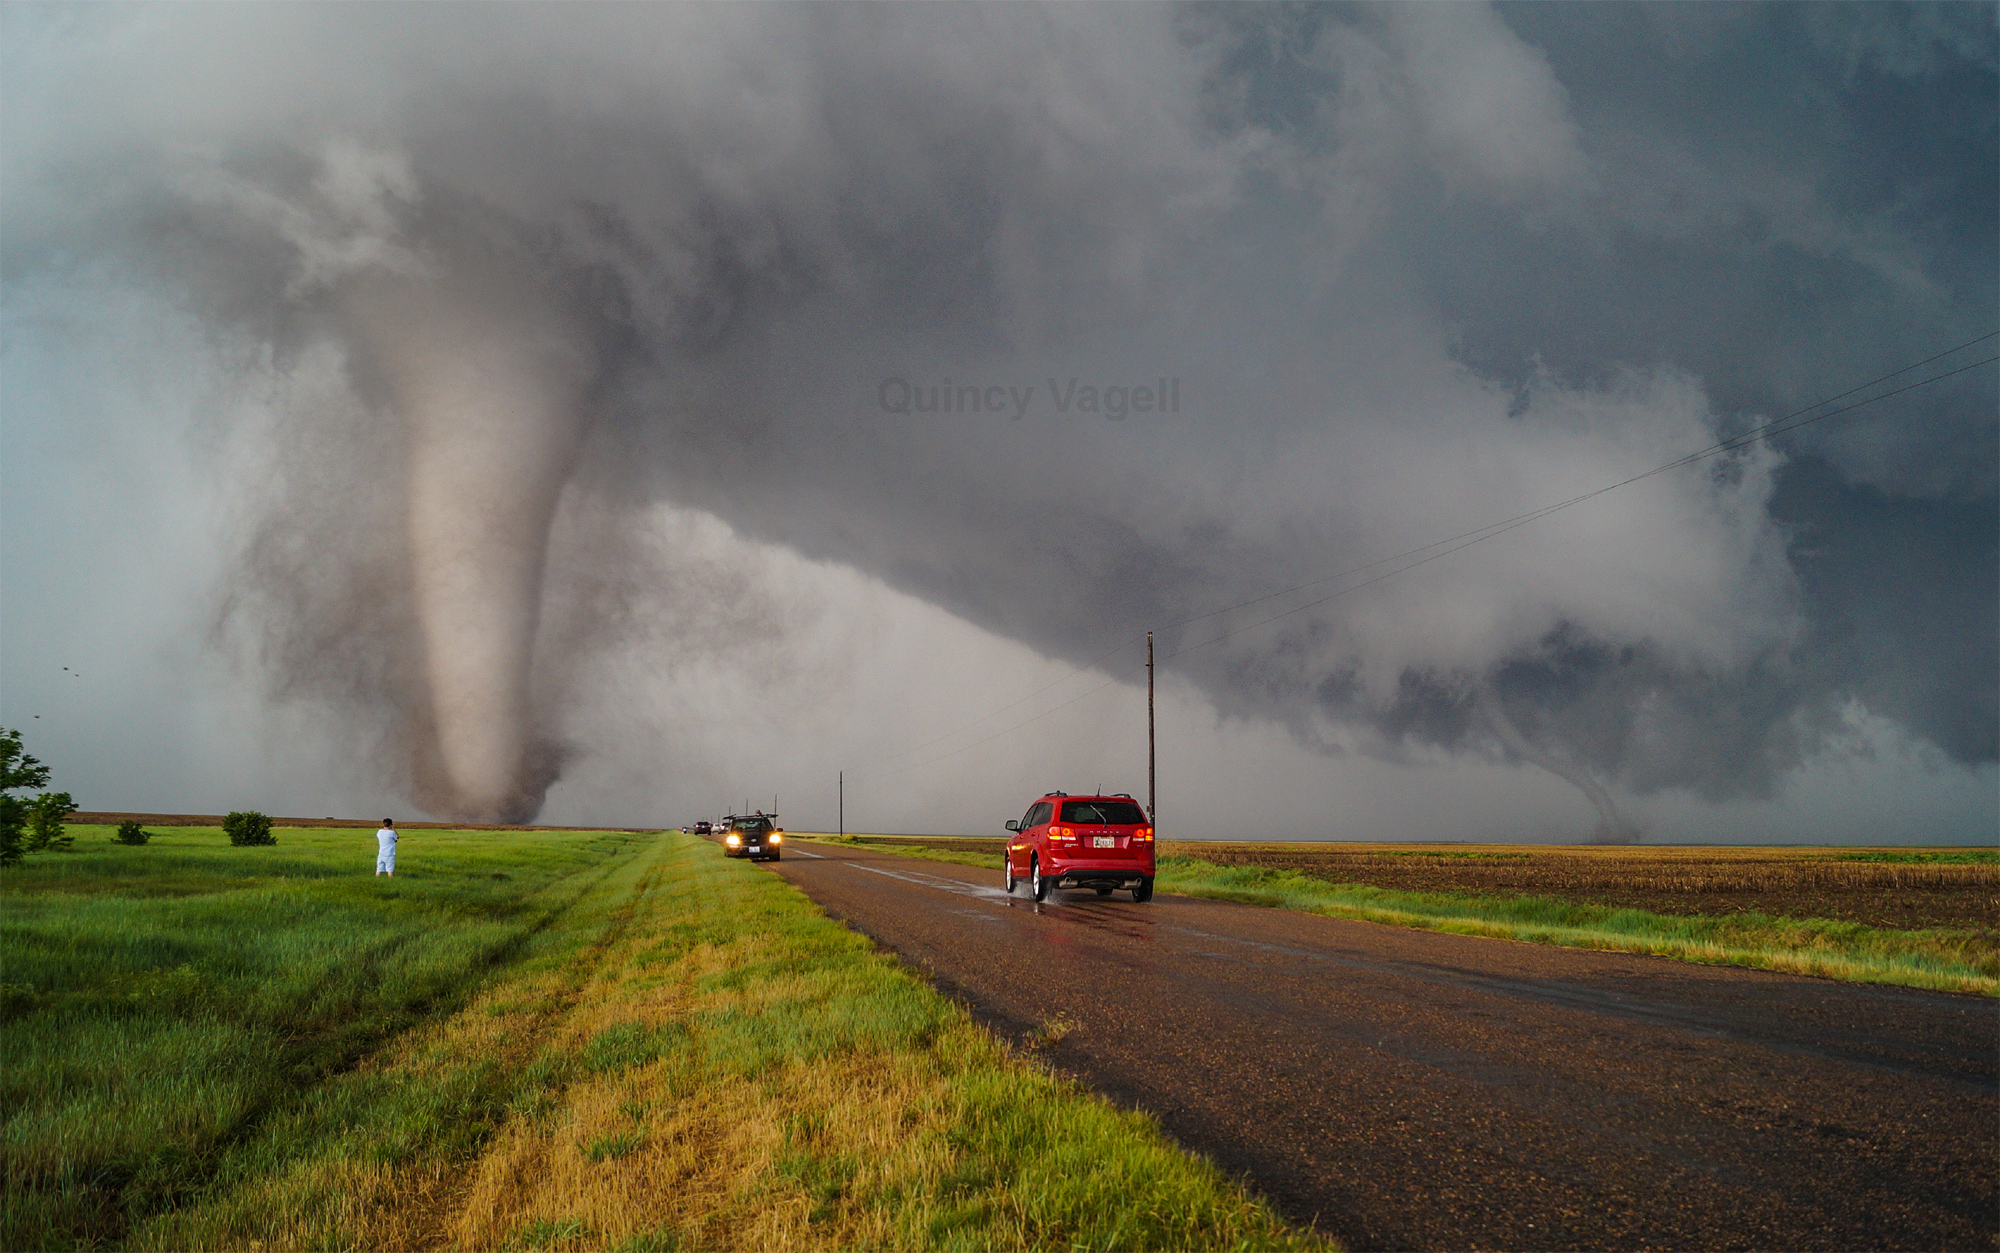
{"points": [[45, 821], [17, 770], [130, 832]]}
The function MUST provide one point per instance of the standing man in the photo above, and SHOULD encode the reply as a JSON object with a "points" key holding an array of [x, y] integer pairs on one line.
{"points": [[385, 848]]}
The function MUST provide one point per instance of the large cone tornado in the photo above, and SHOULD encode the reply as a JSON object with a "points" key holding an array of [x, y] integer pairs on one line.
{"points": [[489, 394]]}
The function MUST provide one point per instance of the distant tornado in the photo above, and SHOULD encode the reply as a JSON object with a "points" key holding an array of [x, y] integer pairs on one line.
{"points": [[490, 394], [1612, 828]]}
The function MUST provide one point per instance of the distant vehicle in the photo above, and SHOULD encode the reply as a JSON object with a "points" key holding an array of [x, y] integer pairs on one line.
{"points": [[1098, 842], [756, 836]]}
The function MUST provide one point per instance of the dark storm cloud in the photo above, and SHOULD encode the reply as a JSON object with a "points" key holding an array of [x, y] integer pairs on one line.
{"points": [[1417, 268], [1794, 199]]}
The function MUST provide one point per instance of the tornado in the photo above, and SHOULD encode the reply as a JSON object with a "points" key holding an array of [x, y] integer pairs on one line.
{"points": [[487, 392], [1612, 827]]}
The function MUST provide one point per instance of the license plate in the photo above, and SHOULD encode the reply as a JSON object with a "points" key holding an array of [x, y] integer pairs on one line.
{"points": [[1104, 841]]}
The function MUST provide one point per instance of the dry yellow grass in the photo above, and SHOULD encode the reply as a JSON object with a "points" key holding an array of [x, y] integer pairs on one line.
{"points": [[793, 1156]]}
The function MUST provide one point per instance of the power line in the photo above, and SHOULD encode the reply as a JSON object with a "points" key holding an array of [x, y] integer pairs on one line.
{"points": [[1760, 434], [1763, 433], [1532, 514]]}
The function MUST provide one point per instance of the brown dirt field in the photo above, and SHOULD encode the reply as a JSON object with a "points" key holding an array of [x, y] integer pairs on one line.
{"points": [[1798, 883], [1795, 882]]}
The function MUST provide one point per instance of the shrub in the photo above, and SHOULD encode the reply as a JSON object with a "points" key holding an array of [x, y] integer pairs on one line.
{"points": [[18, 769], [45, 821], [248, 827], [132, 833]]}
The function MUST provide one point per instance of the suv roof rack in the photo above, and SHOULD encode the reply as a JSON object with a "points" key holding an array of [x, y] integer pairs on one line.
{"points": [[1126, 795]]}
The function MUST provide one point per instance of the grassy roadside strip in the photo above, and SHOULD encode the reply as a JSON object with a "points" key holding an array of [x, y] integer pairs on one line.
{"points": [[695, 1057], [1942, 960]]}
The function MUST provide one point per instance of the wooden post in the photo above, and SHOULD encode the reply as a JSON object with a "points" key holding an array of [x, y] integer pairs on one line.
{"points": [[1152, 801]]}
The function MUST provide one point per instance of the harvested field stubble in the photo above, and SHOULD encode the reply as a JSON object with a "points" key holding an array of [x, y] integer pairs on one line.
{"points": [[1796, 883]]}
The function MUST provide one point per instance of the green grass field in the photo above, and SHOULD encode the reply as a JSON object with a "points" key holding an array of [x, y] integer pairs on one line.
{"points": [[554, 1040], [163, 1002]]}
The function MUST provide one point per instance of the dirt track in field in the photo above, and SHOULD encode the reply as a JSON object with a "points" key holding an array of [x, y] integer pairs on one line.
{"points": [[1407, 1089]]}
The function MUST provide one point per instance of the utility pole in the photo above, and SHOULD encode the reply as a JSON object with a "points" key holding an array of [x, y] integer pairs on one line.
{"points": [[843, 804], [1151, 778]]}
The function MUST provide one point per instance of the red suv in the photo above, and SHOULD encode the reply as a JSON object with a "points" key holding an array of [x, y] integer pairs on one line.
{"points": [[1098, 842]]}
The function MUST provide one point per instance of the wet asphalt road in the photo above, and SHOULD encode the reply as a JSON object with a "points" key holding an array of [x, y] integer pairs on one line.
{"points": [[1409, 1090]]}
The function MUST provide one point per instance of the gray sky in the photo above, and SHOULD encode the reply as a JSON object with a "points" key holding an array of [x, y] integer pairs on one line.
{"points": [[418, 405]]}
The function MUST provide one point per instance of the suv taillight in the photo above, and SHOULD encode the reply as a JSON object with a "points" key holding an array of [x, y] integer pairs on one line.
{"points": [[1143, 833]]}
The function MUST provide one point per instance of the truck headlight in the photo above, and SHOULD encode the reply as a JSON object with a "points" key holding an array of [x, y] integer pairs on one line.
{"points": [[733, 841]]}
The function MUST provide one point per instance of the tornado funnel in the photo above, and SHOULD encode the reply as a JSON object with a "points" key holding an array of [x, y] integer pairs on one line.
{"points": [[489, 394], [1612, 826]]}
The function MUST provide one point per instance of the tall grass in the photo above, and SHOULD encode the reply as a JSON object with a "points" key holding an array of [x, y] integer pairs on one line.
{"points": [[1954, 961]]}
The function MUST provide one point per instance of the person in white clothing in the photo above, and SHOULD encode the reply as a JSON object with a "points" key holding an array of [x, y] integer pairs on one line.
{"points": [[385, 848]]}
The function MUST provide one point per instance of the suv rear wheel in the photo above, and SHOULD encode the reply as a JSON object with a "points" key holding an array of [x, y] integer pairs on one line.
{"points": [[1142, 891], [1036, 883]]}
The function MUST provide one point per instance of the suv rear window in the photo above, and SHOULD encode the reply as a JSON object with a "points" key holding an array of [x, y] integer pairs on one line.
{"points": [[1103, 813]]}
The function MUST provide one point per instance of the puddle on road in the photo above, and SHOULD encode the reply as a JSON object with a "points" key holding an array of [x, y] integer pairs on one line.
{"points": [[957, 887], [1093, 913]]}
